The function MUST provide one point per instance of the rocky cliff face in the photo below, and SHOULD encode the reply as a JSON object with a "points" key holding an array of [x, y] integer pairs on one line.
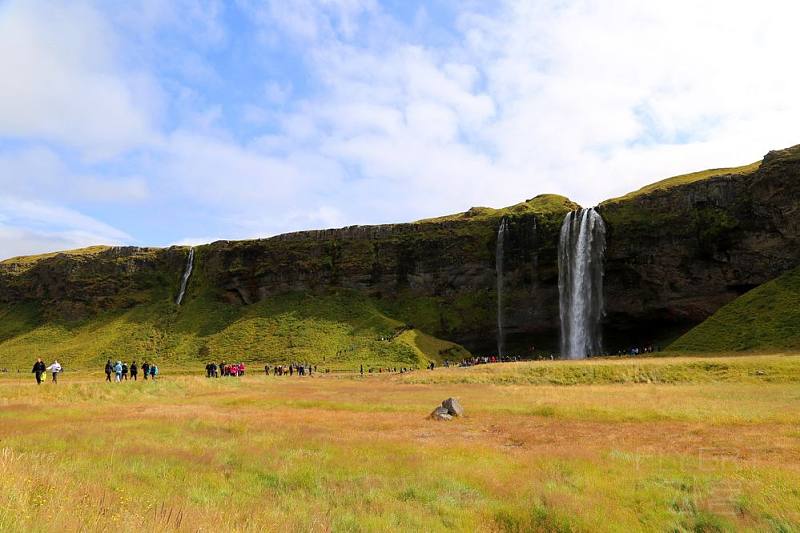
{"points": [[77, 284], [437, 275], [676, 253]]}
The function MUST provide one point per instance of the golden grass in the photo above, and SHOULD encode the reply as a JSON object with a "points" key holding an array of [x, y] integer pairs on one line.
{"points": [[350, 454]]}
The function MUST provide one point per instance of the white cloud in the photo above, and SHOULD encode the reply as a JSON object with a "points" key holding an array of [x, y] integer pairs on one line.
{"points": [[61, 83], [37, 172], [28, 227], [588, 98]]}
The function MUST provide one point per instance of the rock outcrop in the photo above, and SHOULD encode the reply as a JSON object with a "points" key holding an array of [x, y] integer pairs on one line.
{"points": [[676, 255], [450, 409]]}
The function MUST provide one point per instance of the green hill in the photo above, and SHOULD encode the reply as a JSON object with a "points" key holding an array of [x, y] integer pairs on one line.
{"points": [[766, 318], [335, 330], [685, 179]]}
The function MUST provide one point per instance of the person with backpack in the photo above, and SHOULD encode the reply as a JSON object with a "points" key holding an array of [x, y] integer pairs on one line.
{"points": [[125, 371], [109, 369], [118, 371], [55, 368], [39, 369], [145, 369], [153, 371], [134, 370]]}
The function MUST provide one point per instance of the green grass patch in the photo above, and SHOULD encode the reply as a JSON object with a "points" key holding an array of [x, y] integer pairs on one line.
{"points": [[766, 318]]}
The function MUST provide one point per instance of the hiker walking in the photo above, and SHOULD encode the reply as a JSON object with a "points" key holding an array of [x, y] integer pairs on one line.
{"points": [[153, 371], [118, 371], [38, 370], [55, 368], [125, 371], [145, 369], [109, 369], [134, 370]]}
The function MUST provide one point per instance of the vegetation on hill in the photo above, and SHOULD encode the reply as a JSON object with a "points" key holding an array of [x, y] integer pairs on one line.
{"points": [[542, 205], [336, 330], [766, 318], [26, 260], [686, 179]]}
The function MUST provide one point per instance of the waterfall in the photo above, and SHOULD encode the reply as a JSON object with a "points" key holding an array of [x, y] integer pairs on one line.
{"points": [[186, 275], [581, 250], [499, 259]]}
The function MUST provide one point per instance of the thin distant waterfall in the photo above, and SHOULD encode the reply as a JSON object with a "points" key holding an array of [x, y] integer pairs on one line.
{"points": [[581, 250], [186, 275], [499, 260]]}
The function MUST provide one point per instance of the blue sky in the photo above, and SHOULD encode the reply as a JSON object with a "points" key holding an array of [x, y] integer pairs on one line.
{"points": [[146, 122]]}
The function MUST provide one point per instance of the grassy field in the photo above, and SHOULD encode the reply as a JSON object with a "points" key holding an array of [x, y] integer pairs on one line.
{"points": [[700, 444]]}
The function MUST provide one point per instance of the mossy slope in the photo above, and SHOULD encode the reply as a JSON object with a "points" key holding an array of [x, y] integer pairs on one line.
{"points": [[766, 318], [336, 330]]}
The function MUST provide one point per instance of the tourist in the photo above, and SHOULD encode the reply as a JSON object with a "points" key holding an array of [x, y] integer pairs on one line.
{"points": [[153, 371], [125, 371], [134, 370], [55, 368], [145, 370], [39, 369], [109, 370], [266, 370], [118, 371]]}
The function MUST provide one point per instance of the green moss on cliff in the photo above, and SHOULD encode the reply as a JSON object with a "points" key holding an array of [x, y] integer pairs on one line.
{"points": [[31, 259], [544, 205], [766, 318], [686, 179]]}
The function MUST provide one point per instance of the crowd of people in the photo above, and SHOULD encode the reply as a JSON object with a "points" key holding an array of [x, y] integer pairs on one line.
{"points": [[633, 351], [224, 369], [485, 360], [121, 371], [290, 369]]}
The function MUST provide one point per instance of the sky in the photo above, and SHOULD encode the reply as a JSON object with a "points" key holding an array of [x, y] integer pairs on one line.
{"points": [[152, 123]]}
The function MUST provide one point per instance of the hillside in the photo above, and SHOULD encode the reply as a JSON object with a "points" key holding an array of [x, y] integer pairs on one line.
{"points": [[339, 330], [766, 318]]}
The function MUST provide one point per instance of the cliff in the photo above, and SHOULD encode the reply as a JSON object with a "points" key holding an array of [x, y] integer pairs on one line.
{"points": [[678, 250]]}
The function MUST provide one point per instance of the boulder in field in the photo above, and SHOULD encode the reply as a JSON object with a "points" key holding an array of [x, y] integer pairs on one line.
{"points": [[453, 407]]}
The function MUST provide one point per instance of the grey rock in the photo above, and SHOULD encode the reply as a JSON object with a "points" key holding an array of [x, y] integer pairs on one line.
{"points": [[440, 414], [453, 407]]}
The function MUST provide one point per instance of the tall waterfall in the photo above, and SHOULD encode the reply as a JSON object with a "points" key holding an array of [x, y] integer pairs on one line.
{"points": [[499, 260], [581, 250], [186, 275]]}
